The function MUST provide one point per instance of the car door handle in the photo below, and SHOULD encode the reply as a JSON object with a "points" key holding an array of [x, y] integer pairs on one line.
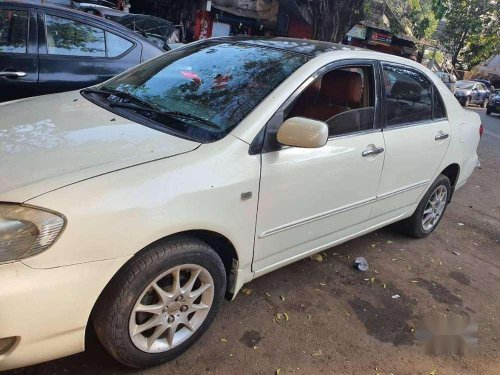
{"points": [[441, 136], [13, 74], [372, 151]]}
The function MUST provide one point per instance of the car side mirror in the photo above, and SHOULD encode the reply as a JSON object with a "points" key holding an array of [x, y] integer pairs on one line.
{"points": [[303, 132]]}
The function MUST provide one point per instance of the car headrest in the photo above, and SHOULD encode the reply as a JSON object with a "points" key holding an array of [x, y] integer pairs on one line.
{"points": [[342, 86], [403, 90]]}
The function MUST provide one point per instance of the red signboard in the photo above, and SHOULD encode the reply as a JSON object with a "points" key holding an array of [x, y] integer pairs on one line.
{"points": [[380, 38]]}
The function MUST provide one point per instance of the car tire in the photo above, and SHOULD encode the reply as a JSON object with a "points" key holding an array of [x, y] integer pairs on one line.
{"points": [[467, 101], [488, 111], [485, 103], [145, 293], [416, 226]]}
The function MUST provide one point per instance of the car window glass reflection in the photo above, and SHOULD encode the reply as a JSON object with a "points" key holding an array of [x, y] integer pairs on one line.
{"points": [[217, 83], [67, 37], [13, 30]]}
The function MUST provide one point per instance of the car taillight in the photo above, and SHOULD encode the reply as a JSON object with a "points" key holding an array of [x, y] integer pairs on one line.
{"points": [[481, 130]]}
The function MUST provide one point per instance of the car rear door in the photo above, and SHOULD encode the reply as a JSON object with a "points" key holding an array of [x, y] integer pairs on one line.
{"points": [[416, 133], [312, 198], [78, 51], [18, 52]]}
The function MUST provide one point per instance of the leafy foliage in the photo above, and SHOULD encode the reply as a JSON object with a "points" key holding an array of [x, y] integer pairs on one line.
{"points": [[472, 29], [424, 17]]}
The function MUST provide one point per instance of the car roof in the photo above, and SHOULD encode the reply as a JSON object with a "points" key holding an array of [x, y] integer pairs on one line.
{"points": [[303, 46]]}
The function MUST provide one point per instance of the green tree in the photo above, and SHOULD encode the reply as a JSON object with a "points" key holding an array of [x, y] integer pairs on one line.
{"points": [[424, 17], [470, 23], [332, 19]]}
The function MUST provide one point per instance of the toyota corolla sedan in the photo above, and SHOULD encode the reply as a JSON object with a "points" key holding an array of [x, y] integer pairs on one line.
{"points": [[135, 206]]}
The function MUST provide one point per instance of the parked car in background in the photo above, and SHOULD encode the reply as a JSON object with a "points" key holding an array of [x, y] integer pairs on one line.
{"points": [[486, 82], [101, 11], [157, 30], [472, 92], [448, 79], [494, 103], [136, 205], [46, 49]]}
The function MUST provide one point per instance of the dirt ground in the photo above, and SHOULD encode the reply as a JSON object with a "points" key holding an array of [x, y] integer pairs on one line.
{"points": [[342, 321]]}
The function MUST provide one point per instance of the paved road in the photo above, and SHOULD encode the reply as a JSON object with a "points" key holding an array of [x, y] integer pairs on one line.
{"points": [[491, 123], [346, 322]]}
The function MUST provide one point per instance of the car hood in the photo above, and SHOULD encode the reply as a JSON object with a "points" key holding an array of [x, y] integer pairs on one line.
{"points": [[55, 140]]}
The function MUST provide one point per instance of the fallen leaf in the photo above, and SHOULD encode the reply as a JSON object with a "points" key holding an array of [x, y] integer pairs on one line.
{"points": [[278, 371], [246, 291], [414, 281], [254, 348], [384, 285], [267, 294], [282, 298], [433, 372], [460, 224], [286, 317], [309, 316], [317, 354], [223, 340], [372, 280], [373, 245], [456, 252], [389, 241], [322, 284], [396, 296], [317, 257]]}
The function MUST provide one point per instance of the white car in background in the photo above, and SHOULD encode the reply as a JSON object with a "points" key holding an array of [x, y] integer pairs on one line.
{"points": [[138, 204]]}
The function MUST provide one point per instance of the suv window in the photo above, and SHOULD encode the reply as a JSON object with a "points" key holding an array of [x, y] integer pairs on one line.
{"points": [[343, 98], [408, 96], [67, 37], [13, 31], [116, 45]]}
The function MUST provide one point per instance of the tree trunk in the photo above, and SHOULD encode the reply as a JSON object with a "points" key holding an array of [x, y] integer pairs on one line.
{"points": [[331, 19]]}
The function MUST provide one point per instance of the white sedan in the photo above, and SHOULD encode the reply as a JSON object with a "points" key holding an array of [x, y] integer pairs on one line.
{"points": [[139, 204]]}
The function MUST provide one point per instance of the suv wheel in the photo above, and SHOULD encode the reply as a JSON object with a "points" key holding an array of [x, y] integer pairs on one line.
{"points": [[430, 210], [161, 302]]}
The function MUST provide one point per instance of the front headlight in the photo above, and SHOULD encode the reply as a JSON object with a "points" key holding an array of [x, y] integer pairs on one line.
{"points": [[26, 231]]}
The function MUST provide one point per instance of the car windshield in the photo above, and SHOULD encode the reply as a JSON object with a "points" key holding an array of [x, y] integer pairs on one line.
{"points": [[465, 85], [205, 90]]}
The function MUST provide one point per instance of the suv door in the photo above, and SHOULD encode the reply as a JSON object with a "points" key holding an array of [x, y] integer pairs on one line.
{"points": [[416, 134], [18, 52], [76, 54], [311, 198]]}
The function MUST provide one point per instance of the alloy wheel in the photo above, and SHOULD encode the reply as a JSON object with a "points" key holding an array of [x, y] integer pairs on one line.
{"points": [[434, 208], [171, 308]]}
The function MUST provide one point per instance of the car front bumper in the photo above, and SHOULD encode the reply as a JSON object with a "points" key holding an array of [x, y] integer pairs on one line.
{"points": [[47, 310]]}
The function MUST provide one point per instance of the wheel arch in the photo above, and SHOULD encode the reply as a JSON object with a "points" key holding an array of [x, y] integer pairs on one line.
{"points": [[452, 171]]}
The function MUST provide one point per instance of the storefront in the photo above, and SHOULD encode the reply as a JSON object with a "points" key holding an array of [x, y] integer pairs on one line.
{"points": [[381, 39]]}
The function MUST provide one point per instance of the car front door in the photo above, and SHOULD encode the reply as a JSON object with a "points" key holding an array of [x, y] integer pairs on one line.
{"points": [[18, 52], [416, 134], [312, 198], [76, 54]]}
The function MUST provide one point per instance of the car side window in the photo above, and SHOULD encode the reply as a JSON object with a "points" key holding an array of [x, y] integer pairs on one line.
{"points": [[68, 37], [408, 96], [438, 111], [343, 98], [13, 31], [116, 45]]}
